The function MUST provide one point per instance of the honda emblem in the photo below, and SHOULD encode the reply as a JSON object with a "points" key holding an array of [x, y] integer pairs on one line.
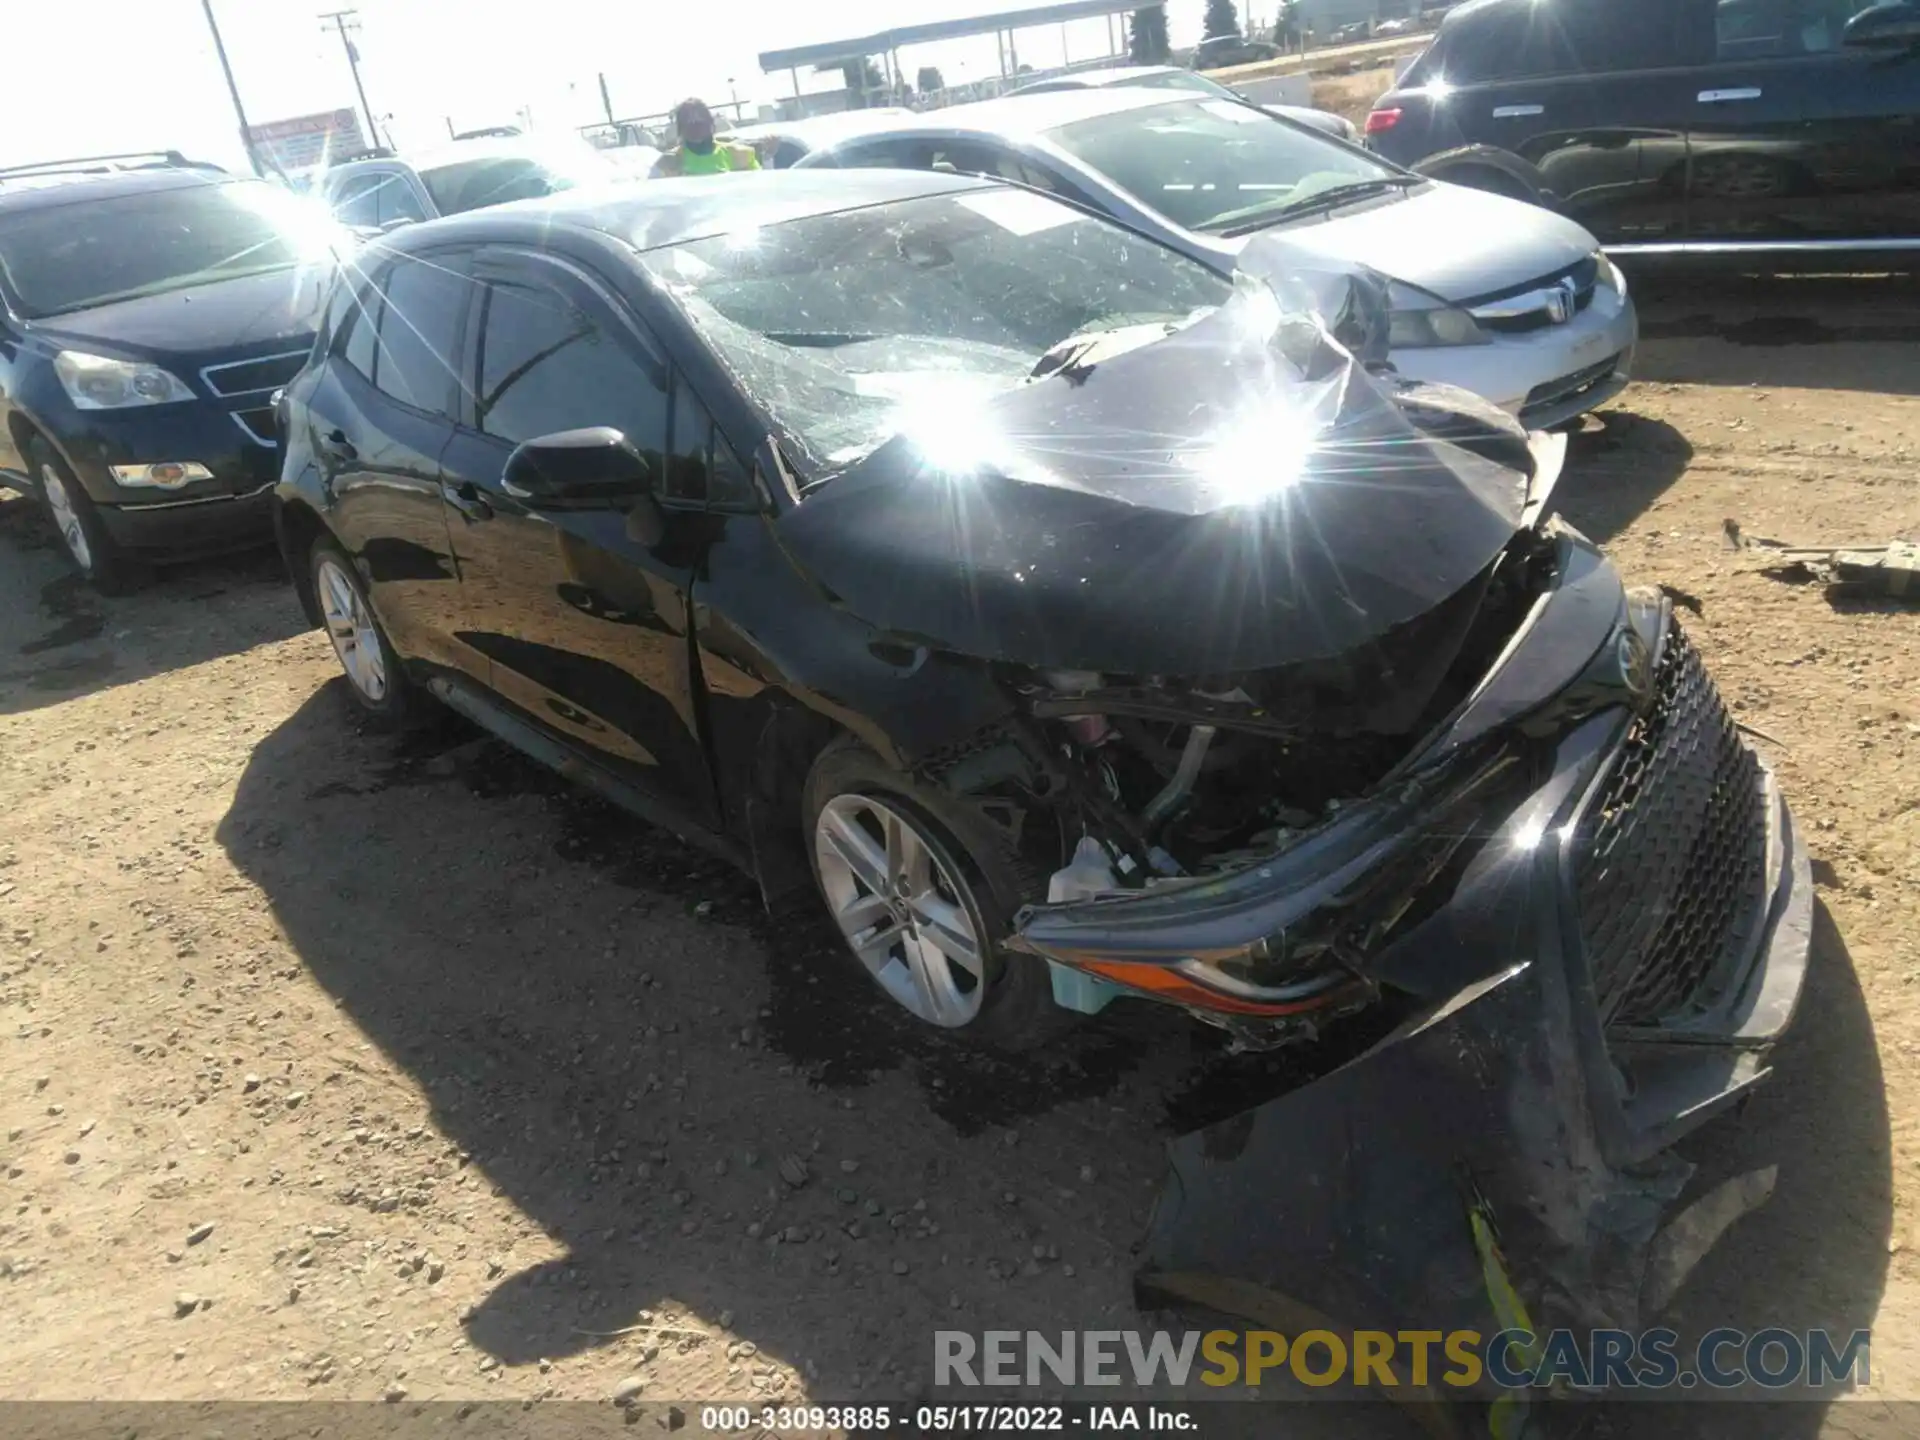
{"points": [[1561, 300]]}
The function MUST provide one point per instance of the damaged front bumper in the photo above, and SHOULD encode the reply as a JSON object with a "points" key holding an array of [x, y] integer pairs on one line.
{"points": [[1617, 929]]}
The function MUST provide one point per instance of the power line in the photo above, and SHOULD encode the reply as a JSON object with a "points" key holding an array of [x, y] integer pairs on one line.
{"points": [[340, 19]]}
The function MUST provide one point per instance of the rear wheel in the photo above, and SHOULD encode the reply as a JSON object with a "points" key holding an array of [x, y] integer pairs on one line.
{"points": [[82, 535], [375, 678], [923, 889]]}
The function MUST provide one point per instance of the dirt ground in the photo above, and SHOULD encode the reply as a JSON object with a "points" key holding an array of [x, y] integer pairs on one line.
{"points": [[336, 1066]]}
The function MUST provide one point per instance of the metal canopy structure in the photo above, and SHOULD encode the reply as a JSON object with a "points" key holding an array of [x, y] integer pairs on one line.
{"points": [[888, 42]]}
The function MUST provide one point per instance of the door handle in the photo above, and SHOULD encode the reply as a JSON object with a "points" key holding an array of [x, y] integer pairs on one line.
{"points": [[1516, 112], [471, 504], [1727, 97], [335, 446]]}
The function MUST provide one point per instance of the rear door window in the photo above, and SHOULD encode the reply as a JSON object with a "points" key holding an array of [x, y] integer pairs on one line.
{"points": [[420, 323], [1586, 37], [1780, 29]]}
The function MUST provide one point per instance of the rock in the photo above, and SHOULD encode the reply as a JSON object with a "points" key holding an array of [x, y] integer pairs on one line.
{"points": [[72, 1157], [41, 1082], [900, 1267], [847, 1167], [1068, 1271], [294, 1098], [87, 1129], [185, 1303], [250, 1084], [847, 1197], [793, 1170], [395, 1394], [293, 1294], [435, 1269], [628, 1390], [1088, 1174], [703, 909], [726, 1319], [754, 1230], [199, 1232], [496, 1268]]}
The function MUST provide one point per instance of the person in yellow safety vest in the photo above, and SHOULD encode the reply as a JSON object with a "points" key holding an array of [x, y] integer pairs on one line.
{"points": [[698, 153]]}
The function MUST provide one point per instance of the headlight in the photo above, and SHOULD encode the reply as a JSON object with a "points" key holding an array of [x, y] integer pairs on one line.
{"points": [[1420, 322], [1607, 275], [94, 382]]}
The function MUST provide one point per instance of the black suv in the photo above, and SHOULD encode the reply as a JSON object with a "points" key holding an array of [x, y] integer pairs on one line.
{"points": [[149, 308], [1776, 131]]}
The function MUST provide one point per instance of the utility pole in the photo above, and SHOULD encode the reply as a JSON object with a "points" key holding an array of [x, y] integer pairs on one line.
{"points": [[340, 19], [239, 110]]}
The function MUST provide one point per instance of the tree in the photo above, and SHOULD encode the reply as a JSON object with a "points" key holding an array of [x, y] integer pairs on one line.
{"points": [[1286, 24], [1147, 42], [1222, 19], [930, 80]]}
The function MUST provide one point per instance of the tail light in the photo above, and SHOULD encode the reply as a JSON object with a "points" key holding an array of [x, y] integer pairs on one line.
{"points": [[1380, 120]]}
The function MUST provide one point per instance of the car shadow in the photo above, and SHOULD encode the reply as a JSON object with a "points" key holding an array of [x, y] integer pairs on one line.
{"points": [[1815, 1256], [65, 639], [1618, 464], [702, 1113], [1822, 332]]}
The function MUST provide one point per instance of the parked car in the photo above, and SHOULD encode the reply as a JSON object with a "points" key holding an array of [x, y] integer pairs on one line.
{"points": [[462, 175], [1507, 300], [1223, 51], [1077, 622], [1743, 131], [149, 307], [1172, 77], [782, 144]]}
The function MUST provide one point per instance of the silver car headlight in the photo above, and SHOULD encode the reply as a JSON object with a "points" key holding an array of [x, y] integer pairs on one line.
{"points": [[1420, 322], [1607, 275], [97, 382]]}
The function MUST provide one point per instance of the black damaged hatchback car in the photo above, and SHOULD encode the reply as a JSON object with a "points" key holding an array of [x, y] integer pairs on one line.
{"points": [[1080, 625]]}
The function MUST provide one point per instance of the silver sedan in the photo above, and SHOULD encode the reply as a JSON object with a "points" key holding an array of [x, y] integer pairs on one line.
{"points": [[1499, 297]]}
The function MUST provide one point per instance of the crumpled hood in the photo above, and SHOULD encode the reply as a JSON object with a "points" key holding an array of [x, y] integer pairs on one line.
{"points": [[221, 319], [1237, 496], [1453, 242]]}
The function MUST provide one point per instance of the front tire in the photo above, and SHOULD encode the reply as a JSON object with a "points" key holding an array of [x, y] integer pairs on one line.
{"points": [[89, 547], [375, 678], [923, 889]]}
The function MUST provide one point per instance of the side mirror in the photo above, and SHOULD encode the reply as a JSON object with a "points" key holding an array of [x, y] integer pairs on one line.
{"points": [[599, 465], [1894, 25]]}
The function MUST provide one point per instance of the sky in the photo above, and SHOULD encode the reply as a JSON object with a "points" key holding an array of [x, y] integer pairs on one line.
{"points": [[142, 74]]}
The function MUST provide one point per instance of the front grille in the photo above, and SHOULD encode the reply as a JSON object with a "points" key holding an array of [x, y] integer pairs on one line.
{"points": [[259, 424], [1583, 275], [1672, 870], [254, 377], [1569, 387]]}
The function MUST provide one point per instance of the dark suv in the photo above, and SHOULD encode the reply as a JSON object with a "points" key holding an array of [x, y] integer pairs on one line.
{"points": [[1780, 131], [149, 308]]}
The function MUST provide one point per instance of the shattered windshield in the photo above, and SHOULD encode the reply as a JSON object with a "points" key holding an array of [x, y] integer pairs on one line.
{"points": [[852, 327], [1217, 165]]}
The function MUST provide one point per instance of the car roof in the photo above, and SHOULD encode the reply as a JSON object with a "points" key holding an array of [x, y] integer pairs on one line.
{"points": [[455, 152], [820, 129], [1110, 75], [672, 212], [45, 192], [1030, 114]]}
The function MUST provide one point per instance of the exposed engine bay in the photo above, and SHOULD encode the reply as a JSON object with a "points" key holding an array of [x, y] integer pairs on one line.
{"points": [[1210, 773]]}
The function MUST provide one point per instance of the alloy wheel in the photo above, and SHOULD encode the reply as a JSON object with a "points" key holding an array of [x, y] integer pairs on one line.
{"points": [[66, 517], [356, 640], [905, 913]]}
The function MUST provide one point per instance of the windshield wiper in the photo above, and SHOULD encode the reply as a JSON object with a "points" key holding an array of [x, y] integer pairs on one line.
{"points": [[1327, 199], [818, 339]]}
